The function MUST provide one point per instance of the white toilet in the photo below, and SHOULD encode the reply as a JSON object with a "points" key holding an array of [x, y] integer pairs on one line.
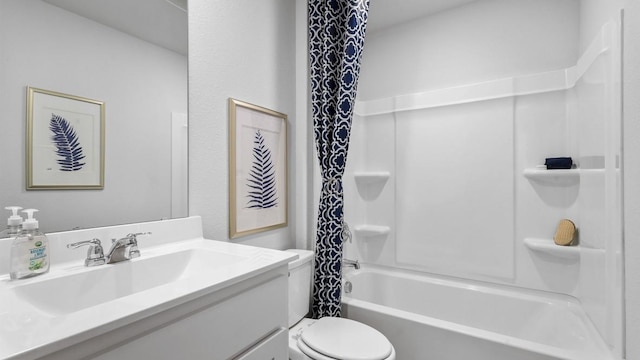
{"points": [[329, 338]]}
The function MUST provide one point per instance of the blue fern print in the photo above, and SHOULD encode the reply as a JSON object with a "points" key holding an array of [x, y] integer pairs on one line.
{"points": [[262, 177], [67, 144]]}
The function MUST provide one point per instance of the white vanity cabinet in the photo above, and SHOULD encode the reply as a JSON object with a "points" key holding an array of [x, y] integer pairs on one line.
{"points": [[245, 321], [184, 298]]}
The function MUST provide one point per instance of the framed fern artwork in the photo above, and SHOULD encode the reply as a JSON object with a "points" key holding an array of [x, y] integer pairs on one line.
{"points": [[257, 169], [65, 141]]}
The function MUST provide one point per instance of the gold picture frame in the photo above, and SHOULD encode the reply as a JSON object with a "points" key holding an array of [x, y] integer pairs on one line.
{"points": [[258, 169], [65, 141]]}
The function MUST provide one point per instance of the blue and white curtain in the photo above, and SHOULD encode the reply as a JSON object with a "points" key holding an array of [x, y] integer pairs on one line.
{"points": [[336, 38]]}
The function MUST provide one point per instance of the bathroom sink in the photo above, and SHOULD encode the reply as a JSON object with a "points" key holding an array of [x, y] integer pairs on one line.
{"points": [[74, 311], [92, 286]]}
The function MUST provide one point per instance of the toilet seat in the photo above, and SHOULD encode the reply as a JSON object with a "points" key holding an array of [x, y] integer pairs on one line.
{"points": [[331, 338]]}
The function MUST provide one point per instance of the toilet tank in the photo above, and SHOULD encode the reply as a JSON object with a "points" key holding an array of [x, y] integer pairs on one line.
{"points": [[299, 285]]}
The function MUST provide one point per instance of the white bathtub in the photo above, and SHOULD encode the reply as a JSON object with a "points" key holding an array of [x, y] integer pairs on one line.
{"points": [[428, 318]]}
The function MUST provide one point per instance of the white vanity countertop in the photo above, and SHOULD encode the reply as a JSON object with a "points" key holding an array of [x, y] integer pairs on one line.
{"points": [[111, 296]]}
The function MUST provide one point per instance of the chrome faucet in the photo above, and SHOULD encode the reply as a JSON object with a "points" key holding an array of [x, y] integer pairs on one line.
{"points": [[125, 248], [95, 253], [354, 263]]}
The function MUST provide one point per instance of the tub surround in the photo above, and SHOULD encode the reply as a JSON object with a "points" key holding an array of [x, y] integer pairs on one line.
{"points": [[113, 311], [521, 85], [485, 211]]}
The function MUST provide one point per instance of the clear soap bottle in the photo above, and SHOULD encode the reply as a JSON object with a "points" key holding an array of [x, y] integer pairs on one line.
{"points": [[30, 250], [14, 223]]}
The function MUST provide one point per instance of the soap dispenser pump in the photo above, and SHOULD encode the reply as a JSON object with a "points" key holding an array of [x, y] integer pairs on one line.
{"points": [[14, 223], [30, 250]]}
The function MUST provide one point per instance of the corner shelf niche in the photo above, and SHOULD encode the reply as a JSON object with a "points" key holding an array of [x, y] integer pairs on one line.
{"points": [[547, 246], [371, 177], [371, 230], [560, 177]]}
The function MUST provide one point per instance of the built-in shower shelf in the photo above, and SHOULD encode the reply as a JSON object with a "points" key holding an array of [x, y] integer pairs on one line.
{"points": [[371, 177], [560, 177], [547, 246], [371, 230]]}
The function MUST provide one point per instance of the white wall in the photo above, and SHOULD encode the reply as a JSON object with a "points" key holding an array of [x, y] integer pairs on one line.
{"points": [[594, 13], [46, 47], [631, 170], [245, 50], [304, 146], [485, 40]]}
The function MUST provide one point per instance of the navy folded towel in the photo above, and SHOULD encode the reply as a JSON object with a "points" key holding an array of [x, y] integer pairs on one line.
{"points": [[558, 163]]}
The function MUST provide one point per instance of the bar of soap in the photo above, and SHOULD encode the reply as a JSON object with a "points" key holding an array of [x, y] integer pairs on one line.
{"points": [[565, 232], [558, 163]]}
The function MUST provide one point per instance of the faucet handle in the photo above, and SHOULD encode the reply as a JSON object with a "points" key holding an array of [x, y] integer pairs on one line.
{"points": [[131, 243], [95, 253], [141, 233], [132, 238], [134, 252], [135, 235], [346, 233]]}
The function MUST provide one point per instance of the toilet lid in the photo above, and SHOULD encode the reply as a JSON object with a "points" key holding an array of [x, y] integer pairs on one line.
{"points": [[346, 339]]}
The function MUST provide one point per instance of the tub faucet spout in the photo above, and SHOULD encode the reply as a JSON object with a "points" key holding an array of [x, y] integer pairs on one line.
{"points": [[354, 263]]}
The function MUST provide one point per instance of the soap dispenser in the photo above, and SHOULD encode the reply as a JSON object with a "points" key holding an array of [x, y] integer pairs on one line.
{"points": [[30, 250], [14, 223]]}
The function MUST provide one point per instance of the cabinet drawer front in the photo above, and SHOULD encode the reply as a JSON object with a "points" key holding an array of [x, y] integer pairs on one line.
{"points": [[274, 347], [221, 330]]}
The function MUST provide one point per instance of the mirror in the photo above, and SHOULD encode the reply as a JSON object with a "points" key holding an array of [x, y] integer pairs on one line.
{"points": [[132, 55]]}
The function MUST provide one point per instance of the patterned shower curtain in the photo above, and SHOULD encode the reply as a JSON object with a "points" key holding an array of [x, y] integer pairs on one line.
{"points": [[336, 38]]}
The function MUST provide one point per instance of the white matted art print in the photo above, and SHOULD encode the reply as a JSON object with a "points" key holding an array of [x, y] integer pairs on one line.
{"points": [[65, 141], [257, 169]]}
